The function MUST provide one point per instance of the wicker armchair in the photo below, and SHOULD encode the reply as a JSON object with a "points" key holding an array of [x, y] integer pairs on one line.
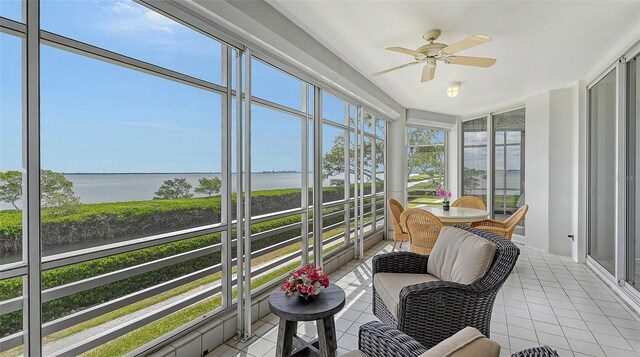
{"points": [[379, 340], [469, 202], [423, 228], [399, 234], [433, 311], [503, 228]]}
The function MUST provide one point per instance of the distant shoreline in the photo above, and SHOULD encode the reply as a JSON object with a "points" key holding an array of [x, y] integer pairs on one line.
{"points": [[174, 173]]}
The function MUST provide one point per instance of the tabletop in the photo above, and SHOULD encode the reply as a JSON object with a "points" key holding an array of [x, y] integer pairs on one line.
{"points": [[456, 214], [327, 303]]}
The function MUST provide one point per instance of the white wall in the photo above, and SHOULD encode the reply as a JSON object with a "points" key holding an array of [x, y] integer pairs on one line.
{"points": [[551, 170], [536, 180]]}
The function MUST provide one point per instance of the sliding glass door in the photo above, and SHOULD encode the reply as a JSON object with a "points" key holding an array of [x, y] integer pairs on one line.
{"points": [[508, 164], [633, 165], [602, 171]]}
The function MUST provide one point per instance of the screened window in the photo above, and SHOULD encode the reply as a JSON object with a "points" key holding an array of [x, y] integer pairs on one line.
{"points": [[425, 165], [474, 158]]}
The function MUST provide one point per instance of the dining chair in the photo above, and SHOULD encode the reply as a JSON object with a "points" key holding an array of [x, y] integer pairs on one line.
{"points": [[399, 233], [423, 228], [504, 228], [469, 202]]}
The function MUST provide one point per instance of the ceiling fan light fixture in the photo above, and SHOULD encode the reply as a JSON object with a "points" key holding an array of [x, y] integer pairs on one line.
{"points": [[453, 89]]}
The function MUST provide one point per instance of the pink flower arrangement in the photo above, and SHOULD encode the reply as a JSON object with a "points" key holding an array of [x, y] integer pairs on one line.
{"points": [[305, 282], [446, 195]]}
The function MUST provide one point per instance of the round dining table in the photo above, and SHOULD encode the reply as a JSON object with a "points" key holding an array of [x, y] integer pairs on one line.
{"points": [[456, 215]]}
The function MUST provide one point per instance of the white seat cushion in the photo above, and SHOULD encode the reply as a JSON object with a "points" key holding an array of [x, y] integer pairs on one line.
{"points": [[388, 286], [468, 342], [460, 256], [355, 354]]}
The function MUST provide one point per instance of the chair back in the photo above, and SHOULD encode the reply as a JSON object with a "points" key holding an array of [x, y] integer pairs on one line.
{"points": [[396, 209], [515, 219], [503, 261], [423, 228], [469, 202]]}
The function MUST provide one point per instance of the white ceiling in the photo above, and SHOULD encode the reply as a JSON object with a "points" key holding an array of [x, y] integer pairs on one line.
{"points": [[540, 45]]}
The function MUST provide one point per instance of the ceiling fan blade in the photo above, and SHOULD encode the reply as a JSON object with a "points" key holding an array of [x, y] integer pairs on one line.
{"points": [[394, 68], [427, 73], [467, 43], [405, 51], [471, 61]]}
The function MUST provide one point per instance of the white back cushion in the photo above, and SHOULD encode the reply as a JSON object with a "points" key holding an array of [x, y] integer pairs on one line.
{"points": [[460, 256]]}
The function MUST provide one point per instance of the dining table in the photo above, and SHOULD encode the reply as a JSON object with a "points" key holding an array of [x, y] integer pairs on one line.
{"points": [[456, 215]]}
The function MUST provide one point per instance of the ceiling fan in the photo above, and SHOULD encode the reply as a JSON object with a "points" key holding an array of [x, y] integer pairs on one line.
{"points": [[433, 51]]}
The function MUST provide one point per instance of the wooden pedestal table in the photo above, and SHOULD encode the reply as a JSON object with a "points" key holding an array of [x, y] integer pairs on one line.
{"points": [[321, 310]]}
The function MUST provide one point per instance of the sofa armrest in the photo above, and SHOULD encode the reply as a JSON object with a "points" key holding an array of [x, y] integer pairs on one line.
{"points": [[377, 339], [400, 262]]}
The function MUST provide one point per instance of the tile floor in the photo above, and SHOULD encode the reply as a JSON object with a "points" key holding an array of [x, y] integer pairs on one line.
{"points": [[548, 300]]}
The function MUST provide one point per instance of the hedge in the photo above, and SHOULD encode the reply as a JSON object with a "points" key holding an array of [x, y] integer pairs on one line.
{"points": [[52, 310]]}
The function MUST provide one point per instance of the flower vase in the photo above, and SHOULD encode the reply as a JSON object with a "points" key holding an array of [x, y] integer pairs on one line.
{"points": [[445, 206], [306, 298]]}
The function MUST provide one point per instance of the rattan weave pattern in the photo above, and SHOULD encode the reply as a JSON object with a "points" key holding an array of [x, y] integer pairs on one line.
{"points": [[431, 312], [469, 202], [380, 340], [544, 351]]}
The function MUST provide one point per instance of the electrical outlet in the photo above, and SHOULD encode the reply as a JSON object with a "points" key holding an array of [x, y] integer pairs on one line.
{"points": [[571, 237]]}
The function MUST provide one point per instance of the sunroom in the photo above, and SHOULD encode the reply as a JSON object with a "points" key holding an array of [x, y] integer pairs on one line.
{"points": [[165, 165]]}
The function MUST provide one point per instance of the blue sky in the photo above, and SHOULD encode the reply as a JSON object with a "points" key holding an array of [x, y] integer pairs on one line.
{"points": [[101, 117]]}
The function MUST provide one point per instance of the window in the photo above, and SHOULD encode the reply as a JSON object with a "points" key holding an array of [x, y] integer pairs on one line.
{"points": [[508, 186], [11, 166], [602, 161], [128, 28], [474, 158], [425, 165], [139, 155]]}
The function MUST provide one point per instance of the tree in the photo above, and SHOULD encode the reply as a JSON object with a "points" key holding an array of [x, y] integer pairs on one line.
{"points": [[56, 190], [176, 188], [11, 187], [209, 186]]}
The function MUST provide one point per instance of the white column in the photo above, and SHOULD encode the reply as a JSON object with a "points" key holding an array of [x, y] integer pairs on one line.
{"points": [[396, 162]]}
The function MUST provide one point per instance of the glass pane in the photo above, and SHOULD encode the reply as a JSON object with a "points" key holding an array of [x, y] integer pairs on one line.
{"points": [[425, 165], [474, 158], [11, 169], [11, 9], [633, 191], [333, 109], [96, 309], [333, 163], [424, 136], [268, 264], [275, 169], [508, 194], [274, 85], [369, 123], [380, 128], [11, 317], [128, 28], [146, 166], [602, 159]]}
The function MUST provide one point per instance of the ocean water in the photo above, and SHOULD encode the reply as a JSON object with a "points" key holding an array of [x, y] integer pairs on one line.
{"points": [[100, 188]]}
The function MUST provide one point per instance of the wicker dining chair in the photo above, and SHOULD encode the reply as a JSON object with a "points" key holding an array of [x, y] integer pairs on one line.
{"points": [[423, 228], [504, 228], [399, 233], [469, 202]]}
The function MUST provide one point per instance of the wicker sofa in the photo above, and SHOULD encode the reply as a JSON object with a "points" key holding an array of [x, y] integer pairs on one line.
{"points": [[432, 311], [377, 339]]}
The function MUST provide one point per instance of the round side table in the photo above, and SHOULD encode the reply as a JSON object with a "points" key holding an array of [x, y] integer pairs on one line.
{"points": [[294, 309]]}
